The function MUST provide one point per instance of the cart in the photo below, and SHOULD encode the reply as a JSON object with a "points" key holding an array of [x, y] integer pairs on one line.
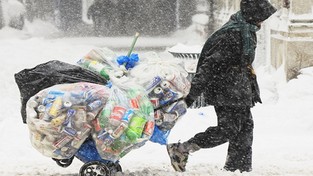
{"points": [[94, 165]]}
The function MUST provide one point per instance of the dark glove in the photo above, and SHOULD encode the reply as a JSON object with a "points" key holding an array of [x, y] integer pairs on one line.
{"points": [[189, 101]]}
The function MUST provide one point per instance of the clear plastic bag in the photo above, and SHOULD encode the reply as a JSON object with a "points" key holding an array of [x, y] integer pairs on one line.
{"points": [[61, 117], [125, 123], [166, 84]]}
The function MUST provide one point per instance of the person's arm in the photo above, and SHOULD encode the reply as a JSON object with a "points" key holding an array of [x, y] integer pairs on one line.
{"points": [[213, 57], [203, 76]]}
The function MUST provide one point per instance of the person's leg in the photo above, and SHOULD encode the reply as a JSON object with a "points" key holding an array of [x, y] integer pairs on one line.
{"points": [[212, 137], [239, 154]]}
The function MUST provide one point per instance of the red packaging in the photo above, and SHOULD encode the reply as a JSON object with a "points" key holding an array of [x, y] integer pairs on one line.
{"points": [[149, 127]]}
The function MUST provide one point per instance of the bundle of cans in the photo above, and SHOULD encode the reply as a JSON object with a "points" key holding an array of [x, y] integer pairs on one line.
{"points": [[62, 117], [167, 101], [165, 83], [126, 122]]}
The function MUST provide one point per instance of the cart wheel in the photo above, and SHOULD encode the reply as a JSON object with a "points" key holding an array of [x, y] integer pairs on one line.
{"points": [[94, 168], [64, 162], [114, 167]]}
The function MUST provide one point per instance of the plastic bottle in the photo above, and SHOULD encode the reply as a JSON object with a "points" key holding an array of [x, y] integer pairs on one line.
{"points": [[95, 66], [105, 113]]}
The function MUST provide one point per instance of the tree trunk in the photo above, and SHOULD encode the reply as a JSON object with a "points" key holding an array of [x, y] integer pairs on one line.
{"points": [[212, 17], [1, 16]]}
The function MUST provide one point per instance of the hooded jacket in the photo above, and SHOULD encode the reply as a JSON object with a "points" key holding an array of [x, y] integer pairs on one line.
{"points": [[224, 72]]}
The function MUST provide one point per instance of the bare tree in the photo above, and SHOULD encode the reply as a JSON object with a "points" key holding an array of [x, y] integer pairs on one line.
{"points": [[212, 16], [1, 15]]}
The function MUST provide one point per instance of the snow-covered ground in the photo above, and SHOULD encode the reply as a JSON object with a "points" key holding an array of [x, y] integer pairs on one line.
{"points": [[283, 142]]}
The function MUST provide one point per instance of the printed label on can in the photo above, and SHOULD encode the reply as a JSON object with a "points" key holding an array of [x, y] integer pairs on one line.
{"points": [[56, 106], [156, 81], [117, 113], [128, 114], [62, 142], [149, 127], [96, 124], [134, 103], [94, 105], [119, 130]]}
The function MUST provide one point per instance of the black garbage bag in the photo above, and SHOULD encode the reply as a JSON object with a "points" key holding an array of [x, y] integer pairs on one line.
{"points": [[31, 81]]}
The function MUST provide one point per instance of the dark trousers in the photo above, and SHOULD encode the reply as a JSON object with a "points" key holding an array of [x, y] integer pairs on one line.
{"points": [[235, 125]]}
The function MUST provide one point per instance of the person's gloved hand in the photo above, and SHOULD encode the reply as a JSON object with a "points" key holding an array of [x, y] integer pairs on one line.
{"points": [[189, 101]]}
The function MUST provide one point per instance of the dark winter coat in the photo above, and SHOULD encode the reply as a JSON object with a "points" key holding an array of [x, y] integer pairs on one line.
{"points": [[224, 71]]}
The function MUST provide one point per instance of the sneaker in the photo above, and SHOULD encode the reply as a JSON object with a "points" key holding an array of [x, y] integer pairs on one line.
{"points": [[178, 157]]}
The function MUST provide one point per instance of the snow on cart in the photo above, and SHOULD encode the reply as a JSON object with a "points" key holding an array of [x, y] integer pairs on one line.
{"points": [[102, 109]]}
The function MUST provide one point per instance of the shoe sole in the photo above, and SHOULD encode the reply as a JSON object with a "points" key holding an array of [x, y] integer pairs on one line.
{"points": [[173, 162]]}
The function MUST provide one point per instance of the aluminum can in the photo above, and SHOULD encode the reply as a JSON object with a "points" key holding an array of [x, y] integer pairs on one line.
{"points": [[32, 103], [70, 131], [156, 104], [134, 103], [167, 117], [90, 116], [55, 93], [179, 82], [58, 120], [166, 85], [56, 106], [168, 96], [62, 142], [94, 105], [41, 108], [96, 124], [156, 81], [127, 115], [106, 138], [67, 104], [149, 127], [71, 112], [119, 130], [117, 114]]}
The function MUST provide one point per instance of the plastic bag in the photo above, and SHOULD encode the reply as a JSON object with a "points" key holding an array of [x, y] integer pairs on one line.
{"points": [[168, 103], [102, 61], [125, 123], [31, 81], [166, 84], [61, 117], [169, 69]]}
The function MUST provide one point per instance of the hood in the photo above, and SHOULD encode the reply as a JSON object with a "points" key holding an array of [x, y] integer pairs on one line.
{"points": [[255, 11]]}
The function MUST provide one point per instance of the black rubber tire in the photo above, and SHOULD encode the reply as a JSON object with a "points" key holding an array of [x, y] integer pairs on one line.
{"points": [[64, 162], [94, 168], [114, 167]]}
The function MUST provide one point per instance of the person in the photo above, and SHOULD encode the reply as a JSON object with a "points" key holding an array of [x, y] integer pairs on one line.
{"points": [[105, 17], [226, 78]]}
